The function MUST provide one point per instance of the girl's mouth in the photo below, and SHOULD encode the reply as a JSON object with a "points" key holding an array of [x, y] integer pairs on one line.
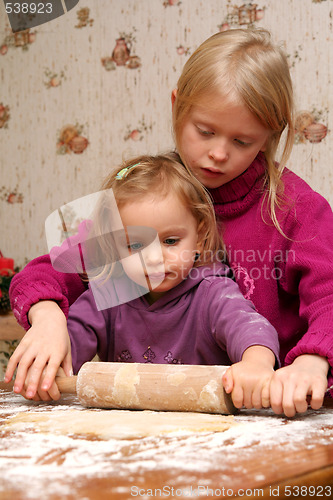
{"points": [[156, 276], [211, 173]]}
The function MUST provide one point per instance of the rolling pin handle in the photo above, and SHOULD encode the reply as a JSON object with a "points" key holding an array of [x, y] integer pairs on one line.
{"points": [[66, 384]]}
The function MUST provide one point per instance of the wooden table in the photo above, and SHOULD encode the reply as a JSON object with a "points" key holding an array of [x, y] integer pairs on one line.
{"points": [[266, 456], [10, 335], [9, 327]]}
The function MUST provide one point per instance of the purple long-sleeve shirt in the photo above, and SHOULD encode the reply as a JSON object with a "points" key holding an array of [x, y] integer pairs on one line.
{"points": [[205, 320]]}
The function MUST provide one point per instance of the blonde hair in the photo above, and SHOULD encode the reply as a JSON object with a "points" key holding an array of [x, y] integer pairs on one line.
{"points": [[156, 175], [243, 64]]}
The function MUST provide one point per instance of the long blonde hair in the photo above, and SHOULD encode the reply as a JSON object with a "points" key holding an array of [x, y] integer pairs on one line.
{"points": [[246, 64], [157, 175]]}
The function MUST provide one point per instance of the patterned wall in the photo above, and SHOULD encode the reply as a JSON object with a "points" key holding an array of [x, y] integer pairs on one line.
{"points": [[81, 92]]}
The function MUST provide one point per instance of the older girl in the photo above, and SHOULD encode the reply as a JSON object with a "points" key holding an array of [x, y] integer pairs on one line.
{"points": [[233, 102]]}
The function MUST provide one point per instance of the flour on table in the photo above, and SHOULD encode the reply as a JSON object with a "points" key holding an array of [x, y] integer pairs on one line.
{"points": [[119, 424]]}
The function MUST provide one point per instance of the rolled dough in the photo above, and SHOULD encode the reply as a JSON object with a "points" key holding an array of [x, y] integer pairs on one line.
{"points": [[118, 424]]}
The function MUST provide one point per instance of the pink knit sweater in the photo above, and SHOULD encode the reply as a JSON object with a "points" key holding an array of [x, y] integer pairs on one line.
{"points": [[289, 279]]}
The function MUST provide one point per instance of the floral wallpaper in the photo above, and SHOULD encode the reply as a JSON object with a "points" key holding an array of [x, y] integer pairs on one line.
{"points": [[80, 93]]}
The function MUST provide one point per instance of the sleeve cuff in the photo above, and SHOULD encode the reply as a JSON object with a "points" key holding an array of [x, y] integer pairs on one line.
{"points": [[27, 298]]}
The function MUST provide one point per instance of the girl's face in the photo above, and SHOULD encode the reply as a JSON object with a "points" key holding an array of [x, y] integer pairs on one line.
{"points": [[219, 142], [169, 259]]}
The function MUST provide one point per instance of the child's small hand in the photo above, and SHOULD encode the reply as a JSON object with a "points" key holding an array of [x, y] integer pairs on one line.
{"points": [[53, 392], [249, 380], [290, 386], [40, 395], [43, 349]]}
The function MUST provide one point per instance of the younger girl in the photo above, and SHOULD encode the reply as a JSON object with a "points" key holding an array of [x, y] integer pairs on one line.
{"points": [[191, 311], [233, 102]]}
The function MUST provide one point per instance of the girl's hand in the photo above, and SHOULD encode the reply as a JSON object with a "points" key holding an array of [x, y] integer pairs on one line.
{"points": [[43, 349], [249, 380], [290, 386], [52, 394]]}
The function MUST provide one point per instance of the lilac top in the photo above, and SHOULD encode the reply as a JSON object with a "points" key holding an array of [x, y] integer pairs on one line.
{"points": [[205, 320]]}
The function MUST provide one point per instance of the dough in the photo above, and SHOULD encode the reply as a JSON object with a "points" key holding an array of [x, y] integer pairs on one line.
{"points": [[118, 424]]}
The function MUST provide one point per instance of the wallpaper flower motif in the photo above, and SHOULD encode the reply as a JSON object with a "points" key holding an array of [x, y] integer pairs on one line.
{"points": [[169, 3], [11, 196], [295, 57], [53, 79], [70, 139], [181, 50], [4, 115], [72, 222], [137, 134], [22, 39], [238, 16], [308, 127], [83, 17], [121, 54]]}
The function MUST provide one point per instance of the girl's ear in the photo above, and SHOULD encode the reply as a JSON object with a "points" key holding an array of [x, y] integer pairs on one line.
{"points": [[173, 97]]}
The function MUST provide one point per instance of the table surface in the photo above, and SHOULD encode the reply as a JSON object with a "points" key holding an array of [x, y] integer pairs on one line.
{"points": [[266, 455], [9, 328]]}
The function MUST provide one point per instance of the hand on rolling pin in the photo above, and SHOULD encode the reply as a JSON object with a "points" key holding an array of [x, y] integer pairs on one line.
{"points": [[44, 348], [52, 394], [292, 384], [248, 381]]}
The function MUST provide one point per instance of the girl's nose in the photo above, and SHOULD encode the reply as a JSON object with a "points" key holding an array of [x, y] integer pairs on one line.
{"points": [[218, 152], [153, 254], [154, 258]]}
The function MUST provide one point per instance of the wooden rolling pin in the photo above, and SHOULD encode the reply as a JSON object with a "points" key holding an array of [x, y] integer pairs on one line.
{"points": [[139, 386]]}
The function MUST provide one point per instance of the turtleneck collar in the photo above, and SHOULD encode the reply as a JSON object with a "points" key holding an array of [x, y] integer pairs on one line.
{"points": [[241, 186]]}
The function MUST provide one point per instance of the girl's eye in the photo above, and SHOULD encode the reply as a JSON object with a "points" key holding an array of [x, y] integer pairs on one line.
{"points": [[171, 241], [135, 247], [205, 132], [242, 143]]}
